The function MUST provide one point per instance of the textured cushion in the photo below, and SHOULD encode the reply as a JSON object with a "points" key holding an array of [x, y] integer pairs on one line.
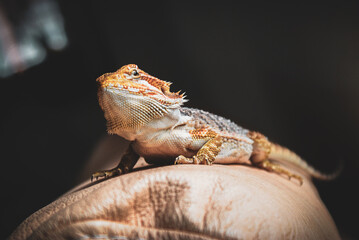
{"points": [[185, 202]]}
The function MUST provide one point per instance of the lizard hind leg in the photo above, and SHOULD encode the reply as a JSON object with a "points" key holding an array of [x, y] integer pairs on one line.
{"points": [[205, 155], [260, 155]]}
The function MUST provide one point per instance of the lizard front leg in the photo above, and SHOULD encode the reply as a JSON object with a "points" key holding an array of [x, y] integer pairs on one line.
{"points": [[261, 150], [205, 155], [126, 164]]}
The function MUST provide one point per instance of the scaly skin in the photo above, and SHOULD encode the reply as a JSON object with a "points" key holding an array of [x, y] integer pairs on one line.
{"points": [[142, 109]]}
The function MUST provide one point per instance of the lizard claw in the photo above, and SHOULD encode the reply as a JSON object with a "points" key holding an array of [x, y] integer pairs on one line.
{"points": [[299, 178], [106, 173], [193, 160], [183, 160]]}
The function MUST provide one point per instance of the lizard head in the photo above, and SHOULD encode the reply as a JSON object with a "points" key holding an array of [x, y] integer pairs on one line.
{"points": [[130, 98]]}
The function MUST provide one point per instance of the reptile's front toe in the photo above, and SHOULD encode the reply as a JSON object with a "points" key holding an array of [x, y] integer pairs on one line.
{"points": [[183, 160], [106, 173]]}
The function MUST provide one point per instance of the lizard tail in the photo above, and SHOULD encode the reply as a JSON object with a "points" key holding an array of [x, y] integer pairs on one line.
{"points": [[284, 155]]}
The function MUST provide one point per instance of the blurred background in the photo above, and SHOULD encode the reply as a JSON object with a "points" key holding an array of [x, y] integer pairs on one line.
{"points": [[288, 70]]}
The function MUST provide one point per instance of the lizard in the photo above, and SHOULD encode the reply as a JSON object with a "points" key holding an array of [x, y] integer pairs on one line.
{"points": [[142, 109]]}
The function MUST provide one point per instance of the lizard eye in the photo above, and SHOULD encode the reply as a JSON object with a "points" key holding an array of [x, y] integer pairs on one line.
{"points": [[135, 73]]}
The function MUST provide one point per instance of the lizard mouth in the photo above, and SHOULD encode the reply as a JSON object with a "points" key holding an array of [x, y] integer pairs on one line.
{"points": [[142, 90], [155, 86]]}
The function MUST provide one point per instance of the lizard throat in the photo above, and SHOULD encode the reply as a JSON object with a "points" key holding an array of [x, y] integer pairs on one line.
{"points": [[128, 113]]}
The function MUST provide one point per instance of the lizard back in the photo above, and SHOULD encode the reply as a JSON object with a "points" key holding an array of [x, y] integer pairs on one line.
{"points": [[214, 121]]}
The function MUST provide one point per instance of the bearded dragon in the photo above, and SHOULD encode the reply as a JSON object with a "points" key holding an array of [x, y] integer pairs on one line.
{"points": [[142, 109]]}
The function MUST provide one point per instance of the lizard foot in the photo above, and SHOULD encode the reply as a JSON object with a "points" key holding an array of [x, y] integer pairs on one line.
{"points": [[205, 155], [183, 160], [269, 166], [193, 160], [106, 173]]}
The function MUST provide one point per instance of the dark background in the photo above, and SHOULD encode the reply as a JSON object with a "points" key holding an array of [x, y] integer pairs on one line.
{"points": [[289, 71]]}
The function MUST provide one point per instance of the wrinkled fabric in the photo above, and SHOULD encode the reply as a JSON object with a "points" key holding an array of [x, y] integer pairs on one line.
{"points": [[185, 202]]}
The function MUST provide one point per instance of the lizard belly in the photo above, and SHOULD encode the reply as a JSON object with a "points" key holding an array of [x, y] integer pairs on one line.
{"points": [[234, 152], [164, 146]]}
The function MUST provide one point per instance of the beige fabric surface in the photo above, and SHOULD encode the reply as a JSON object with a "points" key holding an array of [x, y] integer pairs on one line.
{"points": [[185, 202]]}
